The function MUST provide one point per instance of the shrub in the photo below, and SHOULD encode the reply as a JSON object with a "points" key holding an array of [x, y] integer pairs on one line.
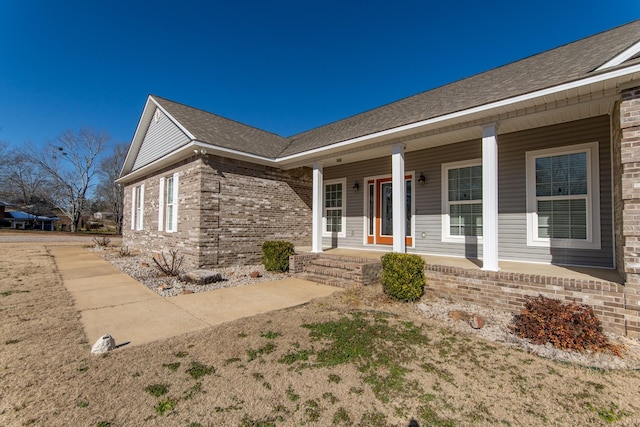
{"points": [[275, 255], [568, 326], [169, 265], [403, 276], [102, 242]]}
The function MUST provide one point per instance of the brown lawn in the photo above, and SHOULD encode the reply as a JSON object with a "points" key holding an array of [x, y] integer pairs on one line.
{"points": [[351, 359]]}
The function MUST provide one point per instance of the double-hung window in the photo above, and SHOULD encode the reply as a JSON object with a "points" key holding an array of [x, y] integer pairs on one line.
{"points": [[563, 197], [137, 207], [168, 204], [334, 206], [462, 200]]}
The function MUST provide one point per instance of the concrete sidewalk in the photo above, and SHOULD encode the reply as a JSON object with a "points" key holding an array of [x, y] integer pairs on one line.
{"points": [[110, 301]]}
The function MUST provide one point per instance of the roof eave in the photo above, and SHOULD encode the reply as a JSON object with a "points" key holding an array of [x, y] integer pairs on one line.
{"points": [[475, 113]]}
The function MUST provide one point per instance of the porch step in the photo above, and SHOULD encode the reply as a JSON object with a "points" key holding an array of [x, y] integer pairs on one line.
{"points": [[326, 280], [336, 270]]}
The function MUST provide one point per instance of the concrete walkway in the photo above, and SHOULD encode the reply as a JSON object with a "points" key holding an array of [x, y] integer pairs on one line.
{"points": [[110, 301]]}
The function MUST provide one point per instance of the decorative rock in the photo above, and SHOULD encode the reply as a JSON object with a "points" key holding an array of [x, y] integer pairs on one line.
{"points": [[201, 277], [254, 274], [164, 287], [476, 322], [104, 344], [144, 264], [459, 315], [186, 291]]}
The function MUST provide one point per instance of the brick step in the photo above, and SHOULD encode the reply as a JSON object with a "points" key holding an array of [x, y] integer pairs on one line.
{"points": [[337, 263], [348, 259], [326, 280], [362, 271], [319, 270]]}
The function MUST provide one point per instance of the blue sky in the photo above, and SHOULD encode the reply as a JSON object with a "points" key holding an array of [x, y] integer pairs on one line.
{"points": [[283, 66]]}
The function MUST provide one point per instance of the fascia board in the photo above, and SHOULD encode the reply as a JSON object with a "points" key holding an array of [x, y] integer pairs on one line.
{"points": [[135, 143], [619, 59], [187, 150]]}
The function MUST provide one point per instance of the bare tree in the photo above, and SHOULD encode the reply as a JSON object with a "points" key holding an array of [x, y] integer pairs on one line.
{"points": [[70, 162], [110, 192], [25, 183]]}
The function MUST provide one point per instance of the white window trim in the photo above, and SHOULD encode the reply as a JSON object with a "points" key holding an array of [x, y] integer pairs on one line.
{"points": [[593, 198], [446, 219], [163, 208], [326, 233], [161, 204], [174, 216], [137, 212]]}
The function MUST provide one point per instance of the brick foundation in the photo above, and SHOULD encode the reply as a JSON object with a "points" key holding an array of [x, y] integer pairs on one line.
{"points": [[507, 291]]}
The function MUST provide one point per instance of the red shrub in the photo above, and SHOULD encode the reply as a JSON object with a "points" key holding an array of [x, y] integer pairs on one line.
{"points": [[568, 326]]}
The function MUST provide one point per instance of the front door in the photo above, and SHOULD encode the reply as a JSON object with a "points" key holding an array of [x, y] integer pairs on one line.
{"points": [[381, 211]]}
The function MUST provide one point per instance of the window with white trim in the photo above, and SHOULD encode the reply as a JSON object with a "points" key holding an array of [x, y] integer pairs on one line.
{"points": [[168, 204], [462, 200], [137, 207], [334, 208], [563, 202]]}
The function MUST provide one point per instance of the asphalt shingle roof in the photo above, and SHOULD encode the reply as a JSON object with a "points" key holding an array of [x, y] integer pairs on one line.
{"points": [[560, 65], [217, 130], [564, 64]]}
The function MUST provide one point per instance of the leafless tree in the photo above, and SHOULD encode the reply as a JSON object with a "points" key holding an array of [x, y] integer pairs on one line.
{"points": [[71, 164], [24, 183], [110, 192]]}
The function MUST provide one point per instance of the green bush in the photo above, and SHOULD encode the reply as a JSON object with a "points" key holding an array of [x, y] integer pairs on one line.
{"points": [[275, 255], [403, 276]]}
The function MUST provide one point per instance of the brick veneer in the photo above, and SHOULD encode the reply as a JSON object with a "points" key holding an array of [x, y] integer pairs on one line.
{"points": [[628, 206], [507, 291], [226, 209]]}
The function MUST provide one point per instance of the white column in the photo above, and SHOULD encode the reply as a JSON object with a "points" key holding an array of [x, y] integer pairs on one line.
{"points": [[399, 197], [316, 223], [490, 198]]}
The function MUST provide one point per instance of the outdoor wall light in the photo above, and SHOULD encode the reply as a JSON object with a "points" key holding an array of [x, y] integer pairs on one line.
{"points": [[422, 179], [356, 187], [200, 151]]}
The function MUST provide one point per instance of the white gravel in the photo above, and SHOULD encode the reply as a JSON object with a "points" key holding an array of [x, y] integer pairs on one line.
{"points": [[496, 329], [142, 269]]}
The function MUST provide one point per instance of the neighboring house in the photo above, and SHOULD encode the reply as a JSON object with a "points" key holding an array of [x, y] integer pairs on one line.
{"points": [[536, 161], [3, 205], [23, 221]]}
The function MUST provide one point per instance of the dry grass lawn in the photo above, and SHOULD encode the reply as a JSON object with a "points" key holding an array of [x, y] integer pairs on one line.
{"points": [[350, 359]]}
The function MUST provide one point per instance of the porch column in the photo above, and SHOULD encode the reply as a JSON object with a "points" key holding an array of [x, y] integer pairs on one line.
{"points": [[490, 198], [316, 210], [399, 196]]}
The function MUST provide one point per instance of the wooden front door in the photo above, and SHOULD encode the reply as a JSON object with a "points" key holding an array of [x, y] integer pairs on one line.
{"points": [[381, 211]]}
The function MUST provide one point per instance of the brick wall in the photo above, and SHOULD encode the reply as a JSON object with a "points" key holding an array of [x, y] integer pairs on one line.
{"points": [[507, 291], [151, 241], [226, 210], [258, 203], [629, 204]]}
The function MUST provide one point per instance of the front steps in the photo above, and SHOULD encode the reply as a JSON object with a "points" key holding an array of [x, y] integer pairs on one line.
{"points": [[336, 270]]}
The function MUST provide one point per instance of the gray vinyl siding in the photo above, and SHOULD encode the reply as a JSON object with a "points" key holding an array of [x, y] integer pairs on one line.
{"points": [[161, 138], [512, 221], [512, 194]]}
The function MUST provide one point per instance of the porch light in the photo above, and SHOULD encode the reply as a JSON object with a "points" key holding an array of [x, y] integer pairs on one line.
{"points": [[356, 187], [422, 179]]}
